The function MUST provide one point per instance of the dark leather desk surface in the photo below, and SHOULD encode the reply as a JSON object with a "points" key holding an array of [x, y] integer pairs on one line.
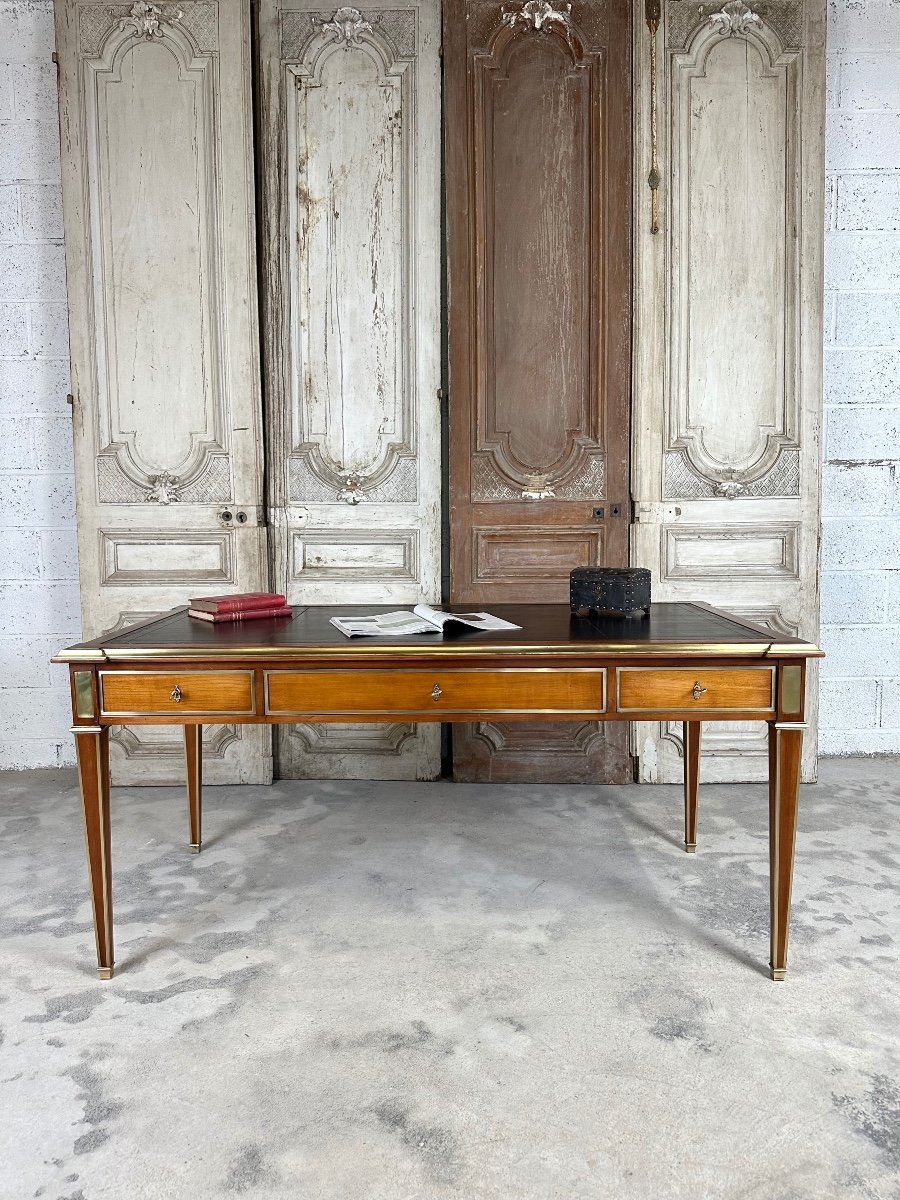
{"points": [[679, 627]]}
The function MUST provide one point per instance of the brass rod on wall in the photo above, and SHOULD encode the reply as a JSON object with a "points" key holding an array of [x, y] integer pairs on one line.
{"points": [[654, 15]]}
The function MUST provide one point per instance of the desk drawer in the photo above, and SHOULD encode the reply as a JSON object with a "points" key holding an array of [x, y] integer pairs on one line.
{"points": [[124, 693], [441, 691], [716, 689]]}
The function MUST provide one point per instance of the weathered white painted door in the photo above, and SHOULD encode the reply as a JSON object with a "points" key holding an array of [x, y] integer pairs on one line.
{"points": [[350, 169], [728, 331], [158, 191]]}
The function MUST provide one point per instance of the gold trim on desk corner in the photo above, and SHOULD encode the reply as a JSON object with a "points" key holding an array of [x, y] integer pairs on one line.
{"points": [[74, 655]]}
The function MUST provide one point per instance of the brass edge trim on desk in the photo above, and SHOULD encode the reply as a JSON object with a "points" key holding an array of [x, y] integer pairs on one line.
{"points": [[179, 711], [620, 671], [601, 671], [559, 650]]}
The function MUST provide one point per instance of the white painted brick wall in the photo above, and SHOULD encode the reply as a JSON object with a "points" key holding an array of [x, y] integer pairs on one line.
{"points": [[38, 562], [861, 483], [861, 536]]}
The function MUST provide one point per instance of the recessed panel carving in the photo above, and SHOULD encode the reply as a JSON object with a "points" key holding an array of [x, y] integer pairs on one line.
{"points": [[734, 295], [700, 552], [350, 126], [510, 554], [151, 559], [537, 258], [339, 740], [367, 556], [153, 216]]}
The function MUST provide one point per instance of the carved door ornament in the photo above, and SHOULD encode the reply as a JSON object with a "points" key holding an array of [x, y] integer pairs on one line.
{"points": [[538, 15], [734, 19], [164, 489], [146, 20], [352, 491], [346, 25]]}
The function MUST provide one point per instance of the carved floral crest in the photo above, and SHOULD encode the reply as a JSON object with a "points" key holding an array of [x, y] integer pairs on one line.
{"points": [[730, 489], [352, 491], [164, 488], [538, 14], [147, 19], [735, 18], [346, 25]]}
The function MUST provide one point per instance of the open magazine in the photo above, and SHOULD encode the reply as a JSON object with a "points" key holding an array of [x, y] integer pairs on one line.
{"points": [[422, 619]]}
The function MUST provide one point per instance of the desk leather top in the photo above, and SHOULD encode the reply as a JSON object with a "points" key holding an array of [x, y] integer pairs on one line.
{"points": [[682, 628]]}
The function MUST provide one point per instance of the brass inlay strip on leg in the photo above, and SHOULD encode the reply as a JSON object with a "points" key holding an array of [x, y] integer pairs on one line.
{"points": [[84, 693], [791, 689]]}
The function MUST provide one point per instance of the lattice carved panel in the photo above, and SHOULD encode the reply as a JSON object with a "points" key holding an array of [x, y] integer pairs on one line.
{"points": [[685, 17], [682, 482]]}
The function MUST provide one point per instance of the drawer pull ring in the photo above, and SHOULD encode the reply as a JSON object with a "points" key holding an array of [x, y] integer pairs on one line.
{"points": [[697, 691], [175, 694], [436, 692]]}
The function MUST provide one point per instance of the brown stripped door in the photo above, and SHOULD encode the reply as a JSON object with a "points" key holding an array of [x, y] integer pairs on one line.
{"points": [[538, 160]]}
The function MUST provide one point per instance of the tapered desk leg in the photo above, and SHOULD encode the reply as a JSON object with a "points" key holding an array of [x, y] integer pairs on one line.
{"points": [[785, 742], [691, 733], [193, 753], [92, 749]]}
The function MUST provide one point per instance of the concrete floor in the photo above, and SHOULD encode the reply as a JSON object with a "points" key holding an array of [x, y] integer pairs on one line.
{"points": [[416, 992]]}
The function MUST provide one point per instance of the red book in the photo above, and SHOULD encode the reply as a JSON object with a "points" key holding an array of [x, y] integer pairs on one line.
{"points": [[240, 602], [247, 614]]}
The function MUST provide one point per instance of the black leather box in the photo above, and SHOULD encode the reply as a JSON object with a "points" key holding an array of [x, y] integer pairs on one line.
{"points": [[621, 591]]}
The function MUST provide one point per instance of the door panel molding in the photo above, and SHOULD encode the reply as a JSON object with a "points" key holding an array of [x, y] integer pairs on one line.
{"points": [[538, 168], [350, 174], [157, 165], [728, 332]]}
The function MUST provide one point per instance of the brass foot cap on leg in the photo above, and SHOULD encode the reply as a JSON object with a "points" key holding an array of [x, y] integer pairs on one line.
{"points": [[195, 848], [690, 847], [105, 972], [778, 973]]}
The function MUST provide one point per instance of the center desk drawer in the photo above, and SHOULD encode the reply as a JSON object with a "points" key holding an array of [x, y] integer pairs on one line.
{"points": [[392, 693], [717, 689], [180, 693]]}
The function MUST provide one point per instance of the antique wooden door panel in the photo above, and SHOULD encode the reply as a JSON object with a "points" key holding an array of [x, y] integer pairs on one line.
{"points": [[728, 333], [538, 146], [157, 185], [350, 170]]}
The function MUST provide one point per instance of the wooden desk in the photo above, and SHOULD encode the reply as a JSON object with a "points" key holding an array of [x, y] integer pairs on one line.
{"points": [[684, 662]]}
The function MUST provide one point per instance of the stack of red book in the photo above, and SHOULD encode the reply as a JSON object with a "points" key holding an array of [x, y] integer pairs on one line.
{"points": [[245, 606]]}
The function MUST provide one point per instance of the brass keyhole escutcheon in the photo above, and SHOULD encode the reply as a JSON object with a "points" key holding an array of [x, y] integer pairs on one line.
{"points": [[697, 691], [175, 694], [436, 692]]}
